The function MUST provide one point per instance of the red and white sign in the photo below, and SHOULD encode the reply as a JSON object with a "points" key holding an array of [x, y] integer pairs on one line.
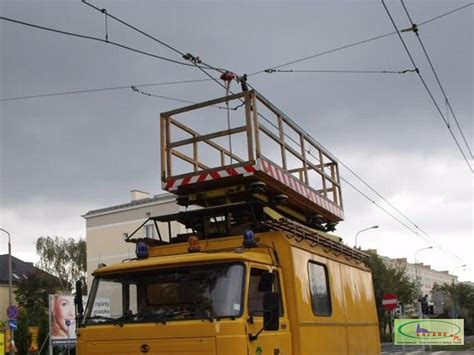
{"points": [[389, 301]]}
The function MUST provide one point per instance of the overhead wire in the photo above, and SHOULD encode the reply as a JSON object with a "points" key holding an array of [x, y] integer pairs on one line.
{"points": [[445, 14], [358, 42], [186, 56], [135, 89], [78, 35], [270, 71], [71, 92], [414, 28], [427, 88]]}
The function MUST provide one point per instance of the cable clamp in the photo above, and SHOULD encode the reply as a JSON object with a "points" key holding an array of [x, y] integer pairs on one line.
{"points": [[192, 59], [243, 82], [414, 28], [270, 71]]}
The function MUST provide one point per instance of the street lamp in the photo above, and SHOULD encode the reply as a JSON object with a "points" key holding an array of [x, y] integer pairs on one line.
{"points": [[363, 230], [10, 283]]}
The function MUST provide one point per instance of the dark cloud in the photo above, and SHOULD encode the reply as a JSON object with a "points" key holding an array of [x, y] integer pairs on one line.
{"points": [[90, 149]]}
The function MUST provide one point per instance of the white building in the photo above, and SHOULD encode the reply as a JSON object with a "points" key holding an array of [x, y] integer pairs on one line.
{"points": [[426, 276], [107, 228]]}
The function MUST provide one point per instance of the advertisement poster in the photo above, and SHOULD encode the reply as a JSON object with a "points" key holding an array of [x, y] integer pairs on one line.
{"points": [[429, 331], [62, 319]]}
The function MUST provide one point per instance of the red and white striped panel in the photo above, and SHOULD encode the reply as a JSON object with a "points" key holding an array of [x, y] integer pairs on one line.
{"points": [[296, 185], [244, 170]]}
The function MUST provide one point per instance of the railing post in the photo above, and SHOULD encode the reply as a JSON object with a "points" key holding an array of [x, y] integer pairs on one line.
{"points": [[256, 125], [282, 143], [248, 121]]}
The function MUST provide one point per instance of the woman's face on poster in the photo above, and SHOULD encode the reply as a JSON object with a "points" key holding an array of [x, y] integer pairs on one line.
{"points": [[64, 311]]}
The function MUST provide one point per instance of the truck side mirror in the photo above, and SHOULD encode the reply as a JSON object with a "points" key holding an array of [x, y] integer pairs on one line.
{"points": [[266, 282], [271, 311]]}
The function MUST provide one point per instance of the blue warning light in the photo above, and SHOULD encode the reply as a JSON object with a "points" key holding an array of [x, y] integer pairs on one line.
{"points": [[142, 250], [249, 239]]}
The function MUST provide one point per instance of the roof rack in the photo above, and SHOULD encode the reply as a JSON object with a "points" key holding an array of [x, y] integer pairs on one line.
{"points": [[295, 230]]}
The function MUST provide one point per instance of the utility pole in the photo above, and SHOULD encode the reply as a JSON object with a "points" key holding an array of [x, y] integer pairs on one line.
{"points": [[10, 284]]}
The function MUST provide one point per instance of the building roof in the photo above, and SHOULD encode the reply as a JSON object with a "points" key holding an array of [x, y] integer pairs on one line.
{"points": [[20, 269], [163, 198]]}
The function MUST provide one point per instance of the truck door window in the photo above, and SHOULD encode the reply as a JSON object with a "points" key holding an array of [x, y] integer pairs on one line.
{"points": [[255, 301], [319, 287]]}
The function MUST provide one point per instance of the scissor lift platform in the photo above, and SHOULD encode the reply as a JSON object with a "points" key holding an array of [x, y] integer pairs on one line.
{"points": [[254, 151]]}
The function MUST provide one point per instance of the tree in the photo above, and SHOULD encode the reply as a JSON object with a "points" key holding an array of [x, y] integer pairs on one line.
{"points": [[389, 280], [64, 258], [32, 297], [463, 297]]}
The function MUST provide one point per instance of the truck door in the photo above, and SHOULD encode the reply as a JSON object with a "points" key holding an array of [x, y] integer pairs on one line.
{"points": [[268, 342]]}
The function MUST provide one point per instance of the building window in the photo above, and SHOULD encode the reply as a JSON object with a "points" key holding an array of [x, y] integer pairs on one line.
{"points": [[319, 287], [149, 231]]}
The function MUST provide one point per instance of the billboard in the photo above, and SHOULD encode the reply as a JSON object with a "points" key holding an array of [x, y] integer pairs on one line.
{"points": [[62, 319], [429, 331]]}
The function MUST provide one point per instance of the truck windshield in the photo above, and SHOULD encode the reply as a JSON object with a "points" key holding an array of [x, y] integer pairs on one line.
{"points": [[163, 295]]}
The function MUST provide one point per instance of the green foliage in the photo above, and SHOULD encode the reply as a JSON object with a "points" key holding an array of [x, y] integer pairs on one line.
{"points": [[389, 280], [463, 297], [32, 293], [32, 297], [63, 257], [22, 337]]}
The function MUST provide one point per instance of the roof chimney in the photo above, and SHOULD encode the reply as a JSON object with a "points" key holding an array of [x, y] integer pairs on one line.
{"points": [[139, 195]]}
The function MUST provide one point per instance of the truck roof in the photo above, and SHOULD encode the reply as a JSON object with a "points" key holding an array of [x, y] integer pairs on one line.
{"points": [[184, 258]]}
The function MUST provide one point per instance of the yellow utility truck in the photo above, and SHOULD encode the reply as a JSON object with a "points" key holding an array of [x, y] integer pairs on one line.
{"points": [[256, 269]]}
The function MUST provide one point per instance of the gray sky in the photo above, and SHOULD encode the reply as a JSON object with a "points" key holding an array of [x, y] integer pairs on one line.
{"points": [[64, 155]]}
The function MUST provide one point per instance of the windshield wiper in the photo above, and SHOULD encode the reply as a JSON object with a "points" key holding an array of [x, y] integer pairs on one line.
{"points": [[204, 315], [157, 317], [226, 317], [110, 319]]}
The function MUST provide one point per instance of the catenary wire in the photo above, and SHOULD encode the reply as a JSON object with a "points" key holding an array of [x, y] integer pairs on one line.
{"points": [[135, 89], [100, 89], [359, 42], [427, 89], [416, 31], [182, 54], [96, 39], [270, 71], [445, 14]]}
